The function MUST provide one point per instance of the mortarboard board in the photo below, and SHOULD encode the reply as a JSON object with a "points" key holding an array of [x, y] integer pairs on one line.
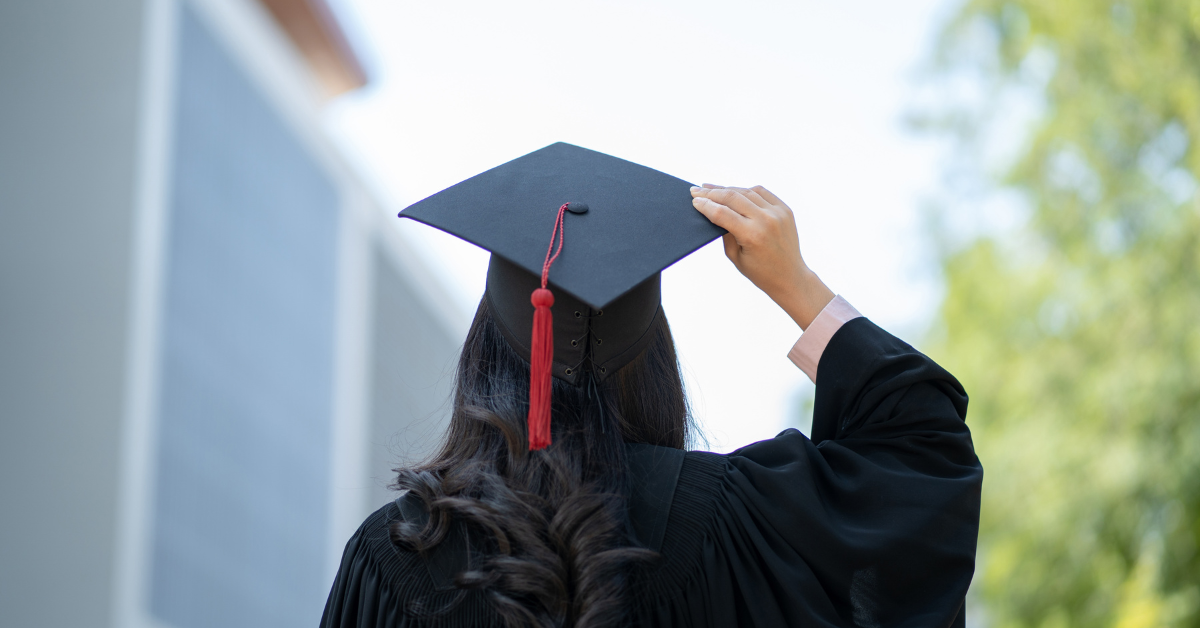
{"points": [[615, 224]]}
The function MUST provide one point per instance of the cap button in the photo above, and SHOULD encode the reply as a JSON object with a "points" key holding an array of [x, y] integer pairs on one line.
{"points": [[577, 208]]}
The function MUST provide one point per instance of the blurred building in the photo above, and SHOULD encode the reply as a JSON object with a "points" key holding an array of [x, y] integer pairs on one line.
{"points": [[212, 345]]}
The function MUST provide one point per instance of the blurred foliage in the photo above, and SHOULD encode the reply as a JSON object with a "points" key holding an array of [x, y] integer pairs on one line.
{"points": [[1077, 333]]}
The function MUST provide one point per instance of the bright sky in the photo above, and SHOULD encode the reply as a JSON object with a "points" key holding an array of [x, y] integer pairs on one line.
{"points": [[803, 97]]}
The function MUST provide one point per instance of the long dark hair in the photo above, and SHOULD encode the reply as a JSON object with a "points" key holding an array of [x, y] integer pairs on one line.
{"points": [[552, 521]]}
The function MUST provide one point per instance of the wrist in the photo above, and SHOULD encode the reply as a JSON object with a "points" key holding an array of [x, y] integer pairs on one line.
{"points": [[806, 298]]}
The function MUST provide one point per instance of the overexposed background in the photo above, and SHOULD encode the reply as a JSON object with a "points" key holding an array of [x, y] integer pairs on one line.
{"points": [[806, 98]]}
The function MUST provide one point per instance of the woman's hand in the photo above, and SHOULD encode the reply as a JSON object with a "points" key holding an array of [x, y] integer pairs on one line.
{"points": [[762, 243]]}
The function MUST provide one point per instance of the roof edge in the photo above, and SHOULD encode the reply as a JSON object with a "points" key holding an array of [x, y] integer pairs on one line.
{"points": [[316, 32]]}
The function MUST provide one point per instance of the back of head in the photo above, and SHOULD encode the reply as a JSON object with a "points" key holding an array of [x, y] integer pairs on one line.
{"points": [[551, 521], [553, 383]]}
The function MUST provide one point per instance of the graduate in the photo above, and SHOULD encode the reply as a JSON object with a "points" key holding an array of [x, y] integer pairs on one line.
{"points": [[563, 494]]}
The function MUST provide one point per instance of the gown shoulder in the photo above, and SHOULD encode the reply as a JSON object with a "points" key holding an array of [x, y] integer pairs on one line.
{"points": [[871, 522], [382, 585]]}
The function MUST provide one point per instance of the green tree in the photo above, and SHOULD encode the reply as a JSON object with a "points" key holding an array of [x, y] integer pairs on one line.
{"points": [[1078, 333]]}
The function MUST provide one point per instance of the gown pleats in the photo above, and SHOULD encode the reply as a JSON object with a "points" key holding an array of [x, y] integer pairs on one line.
{"points": [[873, 522]]}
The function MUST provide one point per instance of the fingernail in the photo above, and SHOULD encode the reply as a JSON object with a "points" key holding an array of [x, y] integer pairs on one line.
{"points": [[695, 188]]}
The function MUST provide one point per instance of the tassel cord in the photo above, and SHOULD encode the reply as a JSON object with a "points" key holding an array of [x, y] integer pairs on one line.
{"points": [[541, 357]]}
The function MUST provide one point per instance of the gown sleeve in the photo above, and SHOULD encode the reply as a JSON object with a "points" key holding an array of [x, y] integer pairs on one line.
{"points": [[876, 517]]}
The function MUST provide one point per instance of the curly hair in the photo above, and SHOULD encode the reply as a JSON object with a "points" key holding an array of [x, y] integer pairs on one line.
{"points": [[556, 551]]}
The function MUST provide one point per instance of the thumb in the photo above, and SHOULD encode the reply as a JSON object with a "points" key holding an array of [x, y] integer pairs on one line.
{"points": [[732, 250]]}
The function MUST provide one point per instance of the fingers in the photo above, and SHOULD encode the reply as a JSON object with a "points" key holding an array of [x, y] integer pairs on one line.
{"points": [[718, 214], [755, 197], [733, 198], [767, 195], [748, 215], [758, 194]]}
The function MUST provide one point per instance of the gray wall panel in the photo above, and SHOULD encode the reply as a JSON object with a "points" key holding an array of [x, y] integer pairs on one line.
{"points": [[69, 81], [241, 508]]}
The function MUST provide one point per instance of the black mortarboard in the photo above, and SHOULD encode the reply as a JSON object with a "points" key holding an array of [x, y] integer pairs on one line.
{"points": [[623, 223]]}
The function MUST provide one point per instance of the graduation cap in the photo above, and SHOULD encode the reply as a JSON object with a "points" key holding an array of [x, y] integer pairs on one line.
{"points": [[578, 239]]}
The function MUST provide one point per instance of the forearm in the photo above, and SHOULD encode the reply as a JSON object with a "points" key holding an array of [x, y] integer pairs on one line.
{"points": [[804, 299]]}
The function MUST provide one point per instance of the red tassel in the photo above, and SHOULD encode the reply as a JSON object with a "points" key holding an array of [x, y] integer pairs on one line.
{"points": [[541, 347], [541, 358]]}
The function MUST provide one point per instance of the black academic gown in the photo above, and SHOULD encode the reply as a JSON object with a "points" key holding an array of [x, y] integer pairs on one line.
{"points": [[873, 522]]}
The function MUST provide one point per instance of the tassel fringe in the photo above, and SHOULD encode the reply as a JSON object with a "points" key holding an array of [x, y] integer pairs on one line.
{"points": [[541, 360]]}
